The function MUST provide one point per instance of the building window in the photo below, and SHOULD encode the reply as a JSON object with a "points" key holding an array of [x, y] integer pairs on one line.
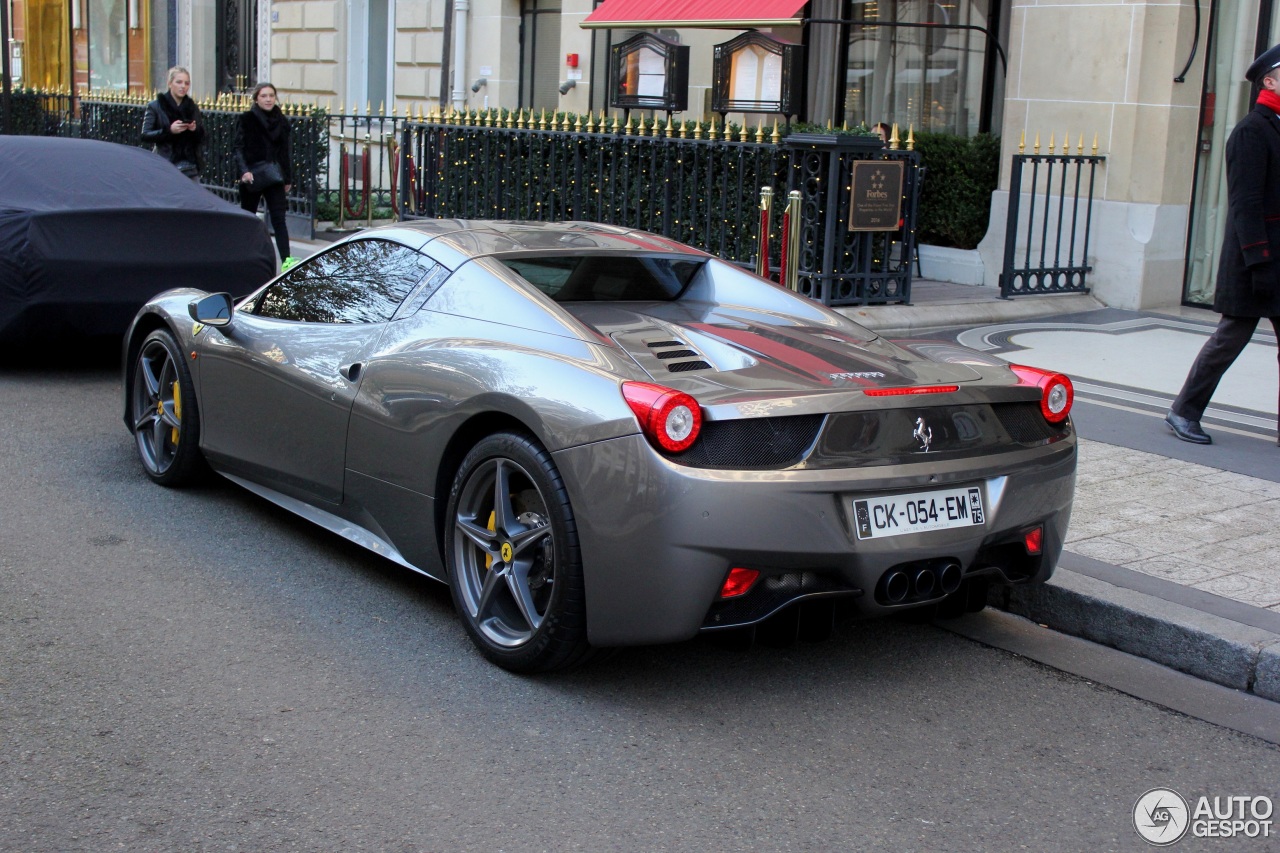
{"points": [[921, 64]]}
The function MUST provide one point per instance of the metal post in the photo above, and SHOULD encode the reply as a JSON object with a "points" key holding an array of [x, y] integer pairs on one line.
{"points": [[790, 273], [762, 239]]}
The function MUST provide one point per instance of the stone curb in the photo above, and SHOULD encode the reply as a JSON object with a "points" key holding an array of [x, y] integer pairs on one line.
{"points": [[1199, 644], [905, 319]]}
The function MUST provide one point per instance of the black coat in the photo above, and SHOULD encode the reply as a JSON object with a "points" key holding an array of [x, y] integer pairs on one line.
{"points": [[263, 138], [1249, 270], [163, 112]]}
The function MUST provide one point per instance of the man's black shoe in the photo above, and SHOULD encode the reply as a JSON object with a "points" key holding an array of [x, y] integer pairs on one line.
{"points": [[1187, 429]]}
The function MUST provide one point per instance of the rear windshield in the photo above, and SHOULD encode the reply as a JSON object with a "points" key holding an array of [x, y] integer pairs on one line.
{"points": [[606, 278]]}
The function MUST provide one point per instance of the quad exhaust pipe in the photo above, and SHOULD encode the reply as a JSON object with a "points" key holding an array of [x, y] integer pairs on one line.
{"points": [[922, 581]]}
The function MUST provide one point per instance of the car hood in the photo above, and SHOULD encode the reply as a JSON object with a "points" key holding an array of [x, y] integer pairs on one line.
{"points": [[722, 353]]}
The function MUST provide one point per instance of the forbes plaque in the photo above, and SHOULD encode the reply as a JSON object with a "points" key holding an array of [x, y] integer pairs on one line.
{"points": [[876, 203]]}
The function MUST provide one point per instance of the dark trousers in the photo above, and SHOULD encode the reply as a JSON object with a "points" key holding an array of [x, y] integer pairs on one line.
{"points": [[276, 205], [1218, 353]]}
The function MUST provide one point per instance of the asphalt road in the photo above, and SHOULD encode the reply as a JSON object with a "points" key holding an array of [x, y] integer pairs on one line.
{"points": [[198, 670]]}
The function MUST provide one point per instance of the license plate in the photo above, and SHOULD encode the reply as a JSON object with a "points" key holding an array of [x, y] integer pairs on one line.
{"points": [[896, 515]]}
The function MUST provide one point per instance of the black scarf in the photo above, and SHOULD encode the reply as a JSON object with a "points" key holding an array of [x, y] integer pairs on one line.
{"points": [[273, 123], [185, 111]]}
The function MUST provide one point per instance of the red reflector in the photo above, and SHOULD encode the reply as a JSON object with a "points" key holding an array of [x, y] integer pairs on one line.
{"points": [[1033, 540], [915, 389], [738, 582]]}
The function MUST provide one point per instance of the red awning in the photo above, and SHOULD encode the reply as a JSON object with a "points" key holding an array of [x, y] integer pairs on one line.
{"points": [[723, 14]]}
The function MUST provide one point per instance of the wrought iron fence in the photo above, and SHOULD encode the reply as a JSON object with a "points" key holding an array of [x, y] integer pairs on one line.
{"points": [[33, 112], [700, 191], [1046, 245]]}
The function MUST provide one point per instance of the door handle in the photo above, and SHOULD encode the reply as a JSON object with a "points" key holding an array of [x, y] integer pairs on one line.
{"points": [[351, 372]]}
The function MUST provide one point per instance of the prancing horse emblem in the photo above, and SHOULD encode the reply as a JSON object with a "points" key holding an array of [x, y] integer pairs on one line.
{"points": [[923, 434]]}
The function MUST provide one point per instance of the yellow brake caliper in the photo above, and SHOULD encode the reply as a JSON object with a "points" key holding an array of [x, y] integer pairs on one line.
{"points": [[493, 526], [177, 411]]}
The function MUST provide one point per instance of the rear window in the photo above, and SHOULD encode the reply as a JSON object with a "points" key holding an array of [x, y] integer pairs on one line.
{"points": [[606, 278]]}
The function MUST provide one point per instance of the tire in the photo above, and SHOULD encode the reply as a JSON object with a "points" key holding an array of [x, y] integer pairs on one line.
{"points": [[515, 567], [164, 414]]}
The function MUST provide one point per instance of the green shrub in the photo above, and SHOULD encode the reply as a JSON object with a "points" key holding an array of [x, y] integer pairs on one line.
{"points": [[955, 200]]}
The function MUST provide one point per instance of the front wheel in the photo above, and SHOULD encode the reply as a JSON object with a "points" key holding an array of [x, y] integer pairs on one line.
{"points": [[162, 409], [515, 568]]}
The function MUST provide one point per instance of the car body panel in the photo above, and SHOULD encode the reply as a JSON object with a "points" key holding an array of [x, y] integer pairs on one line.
{"points": [[372, 456]]}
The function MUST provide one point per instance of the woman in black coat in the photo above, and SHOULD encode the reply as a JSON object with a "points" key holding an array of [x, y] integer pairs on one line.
{"points": [[262, 142], [172, 124]]}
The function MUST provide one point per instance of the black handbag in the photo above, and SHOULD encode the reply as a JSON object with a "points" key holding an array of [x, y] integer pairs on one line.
{"points": [[265, 176]]}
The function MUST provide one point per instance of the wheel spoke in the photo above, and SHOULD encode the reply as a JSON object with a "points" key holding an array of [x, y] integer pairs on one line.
{"points": [[169, 418], [159, 432], [504, 514], [149, 377], [491, 583], [518, 583], [522, 542], [481, 537], [145, 421]]}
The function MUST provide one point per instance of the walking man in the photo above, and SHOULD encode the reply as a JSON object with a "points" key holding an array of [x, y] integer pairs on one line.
{"points": [[1248, 286]]}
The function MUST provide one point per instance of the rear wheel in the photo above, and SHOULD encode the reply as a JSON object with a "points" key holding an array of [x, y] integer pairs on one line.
{"points": [[514, 564], [162, 409]]}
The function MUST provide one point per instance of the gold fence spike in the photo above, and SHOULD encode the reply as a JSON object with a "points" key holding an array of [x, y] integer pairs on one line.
{"points": [[911, 137], [1080, 145], [777, 137], [1095, 144], [712, 133], [760, 131], [894, 139], [1022, 143], [1050, 143], [1036, 147], [627, 130], [697, 128], [742, 130], [382, 108]]}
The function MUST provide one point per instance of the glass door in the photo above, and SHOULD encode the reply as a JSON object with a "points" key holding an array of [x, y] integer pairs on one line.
{"points": [[1235, 32]]}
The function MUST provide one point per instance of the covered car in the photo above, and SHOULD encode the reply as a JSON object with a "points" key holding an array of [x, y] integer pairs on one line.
{"points": [[89, 231], [600, 437]]}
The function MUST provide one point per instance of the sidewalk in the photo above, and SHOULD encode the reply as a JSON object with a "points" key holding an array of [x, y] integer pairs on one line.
{"points": [[1173, 552]]}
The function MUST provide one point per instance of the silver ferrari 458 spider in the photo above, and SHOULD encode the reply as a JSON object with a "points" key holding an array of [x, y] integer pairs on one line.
{"points": [[600, 437]]}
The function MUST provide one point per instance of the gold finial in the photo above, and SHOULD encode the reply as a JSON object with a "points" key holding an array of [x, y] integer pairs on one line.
{"points": [[382, 108], [1036, 147], [1050, 143], [894, 139], [368, 108], [1095, 144], [627, 130], [711, 134], [697, 128], [542, 119], [743, 132], [684, 130], [1080, 145], [776, 137], [591, 122], [844, 125], [1022, 143], [670, 128], [911, 137], [760, 131], [828, 124]]}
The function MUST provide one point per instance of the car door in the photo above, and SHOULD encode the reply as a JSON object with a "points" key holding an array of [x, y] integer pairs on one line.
{"points": [[277, 384]]}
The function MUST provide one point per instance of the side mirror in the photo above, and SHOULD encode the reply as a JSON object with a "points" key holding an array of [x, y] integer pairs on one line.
{"points": [[213, 310]]}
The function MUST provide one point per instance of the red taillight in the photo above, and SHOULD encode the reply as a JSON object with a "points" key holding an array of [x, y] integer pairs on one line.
{"points": [[1033, 540], [1056, 392], [670, 418], [738, 582], [914, 389]]}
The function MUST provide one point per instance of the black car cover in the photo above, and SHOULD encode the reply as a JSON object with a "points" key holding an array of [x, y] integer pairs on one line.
{"points": [[89, 231]]}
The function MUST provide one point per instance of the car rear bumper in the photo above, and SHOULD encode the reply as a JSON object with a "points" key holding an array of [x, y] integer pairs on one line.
{"points": [[658, 539]]}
